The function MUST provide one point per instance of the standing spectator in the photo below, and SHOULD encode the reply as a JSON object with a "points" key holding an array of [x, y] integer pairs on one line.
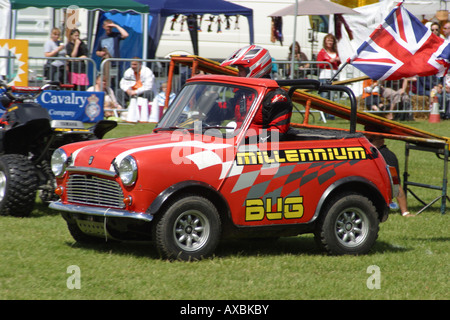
{"points": [[446, 110], [76, 48], [424, 85], [446, 30], [391, 160], [436, 29], [137, 80], [299, 56], [328, 53], [109, 47], [109, 42], [54, 69]]}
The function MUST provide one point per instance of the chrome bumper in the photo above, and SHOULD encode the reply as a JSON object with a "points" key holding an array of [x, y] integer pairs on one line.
{"points": [[98, 211]]}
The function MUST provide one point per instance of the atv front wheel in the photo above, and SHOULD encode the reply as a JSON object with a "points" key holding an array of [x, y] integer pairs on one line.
{"points": [[18, 185]]}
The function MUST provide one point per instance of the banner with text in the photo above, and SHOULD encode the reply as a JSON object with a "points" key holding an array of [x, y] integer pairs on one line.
{"points": [[73, 105]]}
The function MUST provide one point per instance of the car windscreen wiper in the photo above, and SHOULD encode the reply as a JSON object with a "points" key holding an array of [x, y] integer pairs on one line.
{"points": [[217, 127], [169, 128]]}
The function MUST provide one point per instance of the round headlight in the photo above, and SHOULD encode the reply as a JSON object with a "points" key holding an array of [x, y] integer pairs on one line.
{"points": [[58, 162], [128, 170]]}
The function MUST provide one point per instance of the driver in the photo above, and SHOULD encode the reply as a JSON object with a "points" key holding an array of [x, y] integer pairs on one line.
{"points": [[252, 62], [275, 112]]}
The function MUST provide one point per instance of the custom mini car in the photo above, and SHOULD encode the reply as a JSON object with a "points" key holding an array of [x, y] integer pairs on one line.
{"points": [[224, 162]]}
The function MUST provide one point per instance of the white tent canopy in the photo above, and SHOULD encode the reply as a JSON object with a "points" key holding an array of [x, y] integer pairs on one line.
{"points": [[424, 9]]}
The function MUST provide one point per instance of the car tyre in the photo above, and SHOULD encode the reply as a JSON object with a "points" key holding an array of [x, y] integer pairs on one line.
{"points": [[18, 185], [189, 229], [348, 225]]}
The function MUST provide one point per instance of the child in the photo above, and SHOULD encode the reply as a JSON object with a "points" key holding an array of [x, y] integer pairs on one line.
{"points": [[159, 102]]}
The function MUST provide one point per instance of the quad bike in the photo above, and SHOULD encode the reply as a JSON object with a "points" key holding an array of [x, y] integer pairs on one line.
{"points": [[28, 137]]}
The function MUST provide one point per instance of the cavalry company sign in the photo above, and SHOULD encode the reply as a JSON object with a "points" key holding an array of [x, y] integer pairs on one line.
{"points": [[73, 105]]}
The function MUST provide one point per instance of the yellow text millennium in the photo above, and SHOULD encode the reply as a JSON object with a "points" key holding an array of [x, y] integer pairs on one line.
{"points": [[300, 155]]}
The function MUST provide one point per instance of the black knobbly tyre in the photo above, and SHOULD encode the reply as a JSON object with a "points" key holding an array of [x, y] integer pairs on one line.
{"points": [[18, 185], [349, 225], [189, 229]]}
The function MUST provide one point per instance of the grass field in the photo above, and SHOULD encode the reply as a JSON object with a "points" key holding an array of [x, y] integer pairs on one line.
{"points": [[411, 258]]}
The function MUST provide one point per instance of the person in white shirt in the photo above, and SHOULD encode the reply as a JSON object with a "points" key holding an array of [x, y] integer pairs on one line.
{"points": [[137, 81], [55, 69]]}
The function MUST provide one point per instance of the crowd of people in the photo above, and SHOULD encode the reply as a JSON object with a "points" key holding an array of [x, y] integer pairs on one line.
{"points": [[385, 97], [388, 96], [138, 79]]}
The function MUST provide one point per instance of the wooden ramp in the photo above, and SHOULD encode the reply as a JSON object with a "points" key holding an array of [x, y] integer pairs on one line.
{"points": [[388, 128]]}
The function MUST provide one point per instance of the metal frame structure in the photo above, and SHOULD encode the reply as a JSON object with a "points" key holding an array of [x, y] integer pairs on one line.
{"points": [[442, 152]]}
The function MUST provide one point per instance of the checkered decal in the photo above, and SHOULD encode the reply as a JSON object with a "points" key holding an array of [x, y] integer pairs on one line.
{"points": [[287, 180]]}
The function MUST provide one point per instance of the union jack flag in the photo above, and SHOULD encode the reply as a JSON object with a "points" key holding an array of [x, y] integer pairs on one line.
{"points": [[402, 47]]}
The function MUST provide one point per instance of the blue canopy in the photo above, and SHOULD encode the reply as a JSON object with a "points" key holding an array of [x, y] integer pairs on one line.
{"points": [[161, 9]]}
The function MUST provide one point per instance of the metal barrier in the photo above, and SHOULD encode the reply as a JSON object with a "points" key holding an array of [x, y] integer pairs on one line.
{"points": [[441, 152], [303, 69], [306, 70], [415, 101], [115, 67], [41, 69], [406, 99]]}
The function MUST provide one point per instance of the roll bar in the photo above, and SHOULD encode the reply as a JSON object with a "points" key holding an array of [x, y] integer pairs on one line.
{"points": [[313, 84]]}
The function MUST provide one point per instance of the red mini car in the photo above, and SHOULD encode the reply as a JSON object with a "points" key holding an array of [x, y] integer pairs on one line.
{"points": [[224, 162]]}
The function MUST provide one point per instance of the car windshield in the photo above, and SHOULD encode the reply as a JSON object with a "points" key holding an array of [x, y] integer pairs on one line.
{"points": [[202, 106]]}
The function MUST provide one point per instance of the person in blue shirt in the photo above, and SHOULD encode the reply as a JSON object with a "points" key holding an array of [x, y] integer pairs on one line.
{"points": [[109, 42], [109, 47]]}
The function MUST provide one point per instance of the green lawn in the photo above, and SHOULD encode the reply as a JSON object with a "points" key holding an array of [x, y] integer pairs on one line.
{"points": [[411, 254]]}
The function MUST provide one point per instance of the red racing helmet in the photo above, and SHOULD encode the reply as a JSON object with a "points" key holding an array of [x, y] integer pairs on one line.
{"points": [[255, 59]]}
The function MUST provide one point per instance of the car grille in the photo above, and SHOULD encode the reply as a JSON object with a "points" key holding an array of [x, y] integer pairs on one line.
{"points": [[88, 189]]}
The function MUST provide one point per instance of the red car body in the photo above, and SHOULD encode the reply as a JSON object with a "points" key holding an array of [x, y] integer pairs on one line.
{"points": [[267, 184]]}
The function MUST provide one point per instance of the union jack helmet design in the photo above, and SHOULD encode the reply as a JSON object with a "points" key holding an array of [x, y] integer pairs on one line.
{"points": [[255, 59]]}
